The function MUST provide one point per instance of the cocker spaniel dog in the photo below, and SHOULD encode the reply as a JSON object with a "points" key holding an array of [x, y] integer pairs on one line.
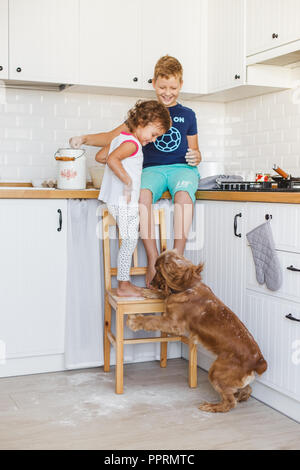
{"points": [[193, 309]]}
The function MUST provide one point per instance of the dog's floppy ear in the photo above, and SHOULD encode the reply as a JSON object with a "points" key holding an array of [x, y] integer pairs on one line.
{"points": [[198, 269]]}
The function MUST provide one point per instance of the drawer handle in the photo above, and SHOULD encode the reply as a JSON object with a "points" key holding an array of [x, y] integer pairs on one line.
{"points": [[235, 225], [60, 220], [291, 268], [290, 317]]}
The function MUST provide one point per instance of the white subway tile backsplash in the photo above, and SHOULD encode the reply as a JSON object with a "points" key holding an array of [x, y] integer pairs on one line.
{"points": [[15, 133], [66, 110], [34, 124], [18, 159], [272, 137], [248, 135], [77, 124]]}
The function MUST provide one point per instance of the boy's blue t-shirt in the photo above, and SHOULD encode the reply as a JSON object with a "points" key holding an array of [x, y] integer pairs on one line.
{"points": [[171, 147]]}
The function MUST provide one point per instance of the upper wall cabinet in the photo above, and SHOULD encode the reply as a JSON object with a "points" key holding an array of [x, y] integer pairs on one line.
{"points": [[271, 23], [225, 39], [44, 40], [177, 30], [110, 43], [120, 42], [3, 39]]}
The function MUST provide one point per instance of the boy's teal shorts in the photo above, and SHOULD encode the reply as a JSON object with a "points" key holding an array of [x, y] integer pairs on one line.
{"points": [[176, 177]]}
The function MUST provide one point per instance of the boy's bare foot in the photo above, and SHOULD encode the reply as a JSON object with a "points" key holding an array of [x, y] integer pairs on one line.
{"points": [[126, 289], [151, 271]]}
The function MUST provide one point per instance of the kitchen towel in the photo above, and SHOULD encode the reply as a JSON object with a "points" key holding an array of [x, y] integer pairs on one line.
{"points": [[212, 182], [267, 265], [84, 306]]}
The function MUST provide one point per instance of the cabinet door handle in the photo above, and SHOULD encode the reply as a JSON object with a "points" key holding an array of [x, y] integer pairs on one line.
{"points": [[290, 317], [291, 268], [1, 68], [150, 80], [60, 220], [235, 225], [268, 216], [135, 79], [275, 36], [19, 69], [237, 77]]}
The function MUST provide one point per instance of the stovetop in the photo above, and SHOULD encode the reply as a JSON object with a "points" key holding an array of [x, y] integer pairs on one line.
{"points": [[265, 186]]}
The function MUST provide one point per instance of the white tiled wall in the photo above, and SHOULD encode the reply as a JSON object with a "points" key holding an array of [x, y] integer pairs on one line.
{"points": [[249, 135], [262, 131], [34, 124]]}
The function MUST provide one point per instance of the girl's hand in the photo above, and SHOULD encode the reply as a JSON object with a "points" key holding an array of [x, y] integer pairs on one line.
{"points": [[193, 157], [76, 142], [127, 192]]}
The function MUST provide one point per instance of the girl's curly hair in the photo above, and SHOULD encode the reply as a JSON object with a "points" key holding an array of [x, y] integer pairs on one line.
{"points": [[146, 112]]}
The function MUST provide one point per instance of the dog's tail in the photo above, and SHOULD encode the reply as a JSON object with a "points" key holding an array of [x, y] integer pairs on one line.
{"points": [[261, 366]]}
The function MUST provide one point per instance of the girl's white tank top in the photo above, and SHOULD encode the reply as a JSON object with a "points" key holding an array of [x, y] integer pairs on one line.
{"points": [[112, 188]]}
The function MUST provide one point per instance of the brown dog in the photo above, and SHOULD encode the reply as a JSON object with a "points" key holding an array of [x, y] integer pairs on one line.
{"points": [[193, 309]]}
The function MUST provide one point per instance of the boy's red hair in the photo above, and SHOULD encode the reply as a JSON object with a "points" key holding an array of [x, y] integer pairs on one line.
{"points": [[168, 66]]}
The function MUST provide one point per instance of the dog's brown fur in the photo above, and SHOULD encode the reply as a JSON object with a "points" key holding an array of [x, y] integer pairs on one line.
{"points": [[193, 309]]}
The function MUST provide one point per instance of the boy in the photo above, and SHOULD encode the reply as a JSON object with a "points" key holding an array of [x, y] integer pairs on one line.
{"points": [[170, 163]]}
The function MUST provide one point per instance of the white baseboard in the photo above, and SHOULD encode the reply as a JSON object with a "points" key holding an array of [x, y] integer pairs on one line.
{"points": [[277, 400], [32, 365], [56, 362]]}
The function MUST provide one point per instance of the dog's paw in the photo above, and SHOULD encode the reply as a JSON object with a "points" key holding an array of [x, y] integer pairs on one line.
{"points": [[151, 294], [134, 322], [215, 407]]}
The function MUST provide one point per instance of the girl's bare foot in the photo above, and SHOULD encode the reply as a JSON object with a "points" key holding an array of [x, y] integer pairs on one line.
{"points": [[126, 289], [151, 271]]}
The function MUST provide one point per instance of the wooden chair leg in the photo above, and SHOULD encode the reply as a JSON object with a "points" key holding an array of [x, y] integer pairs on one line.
{"points": [[192, 365], [119, 350], [107, 327], [163, 351]]}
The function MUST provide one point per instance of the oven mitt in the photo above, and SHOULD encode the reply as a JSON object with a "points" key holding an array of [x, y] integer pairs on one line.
{"points": [[266, 261]]}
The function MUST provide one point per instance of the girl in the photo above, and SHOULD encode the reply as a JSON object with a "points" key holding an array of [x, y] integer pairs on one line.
{"points": [[120, 187]]}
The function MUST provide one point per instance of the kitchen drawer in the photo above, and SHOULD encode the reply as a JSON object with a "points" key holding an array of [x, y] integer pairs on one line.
{"points": [[285, 223], [290, 288], [278, 339]]}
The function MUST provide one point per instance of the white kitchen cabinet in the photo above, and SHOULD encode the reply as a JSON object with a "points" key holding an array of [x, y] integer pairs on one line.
{"points": [[3, 39], [224, 252], [44, 40], [284, 220], [290, 265], [229, 271], [110, 43], [33, 256], [120, 42], [271, 23], [180, 35], [278, 338], [225, 55]]}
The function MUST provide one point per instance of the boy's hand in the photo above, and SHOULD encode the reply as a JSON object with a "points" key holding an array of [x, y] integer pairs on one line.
{"points": [[193, 157], [76, 142]]}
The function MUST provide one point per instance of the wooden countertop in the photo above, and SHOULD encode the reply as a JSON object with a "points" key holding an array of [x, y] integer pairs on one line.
{"points": [[26, 191]]}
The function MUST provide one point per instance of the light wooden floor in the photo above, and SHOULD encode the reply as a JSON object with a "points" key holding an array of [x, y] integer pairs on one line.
{"points": [[79, 410]]}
